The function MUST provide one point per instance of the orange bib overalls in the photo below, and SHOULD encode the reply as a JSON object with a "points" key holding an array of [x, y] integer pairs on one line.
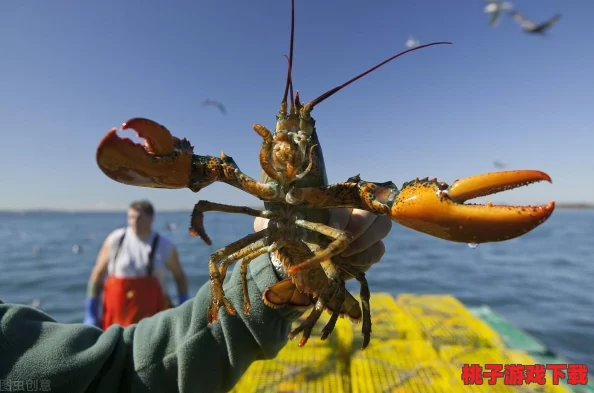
{"points": [[128, 300]]}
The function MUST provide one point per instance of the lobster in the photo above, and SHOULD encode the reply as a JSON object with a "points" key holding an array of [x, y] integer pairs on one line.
{"points": [[296, 195]]}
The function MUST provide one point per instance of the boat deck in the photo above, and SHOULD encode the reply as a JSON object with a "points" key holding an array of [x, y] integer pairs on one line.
{"points": [[419, 343]]}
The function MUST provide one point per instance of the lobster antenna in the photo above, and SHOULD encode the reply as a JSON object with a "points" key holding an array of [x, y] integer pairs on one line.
{"points": [[338, 88], [291, 83], [290, 55]]}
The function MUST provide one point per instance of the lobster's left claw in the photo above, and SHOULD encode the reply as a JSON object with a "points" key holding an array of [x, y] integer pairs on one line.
{"points": [[164, 161], [437, 209]]}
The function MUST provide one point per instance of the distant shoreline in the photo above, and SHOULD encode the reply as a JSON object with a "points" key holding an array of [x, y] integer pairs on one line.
{"points": [[574, 206], [558, 206]]}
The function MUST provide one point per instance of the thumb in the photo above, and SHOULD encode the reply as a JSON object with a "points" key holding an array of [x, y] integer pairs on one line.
{"points": [[339, 217], [260, 223]]}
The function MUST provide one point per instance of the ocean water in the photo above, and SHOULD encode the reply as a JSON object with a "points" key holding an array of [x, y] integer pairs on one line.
{"points": [[542, 282]]}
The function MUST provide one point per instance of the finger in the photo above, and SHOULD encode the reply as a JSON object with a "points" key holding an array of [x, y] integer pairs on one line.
{"points": [[260, 223], [359, 222], [339, 217], [365, 259], [378, 230]]}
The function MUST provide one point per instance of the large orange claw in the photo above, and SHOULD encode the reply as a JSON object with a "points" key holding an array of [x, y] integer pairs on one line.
{"points": [[437, 209], [164, 161]]}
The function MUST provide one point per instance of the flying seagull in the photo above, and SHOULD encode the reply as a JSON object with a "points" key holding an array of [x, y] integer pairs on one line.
{"points": [[411, 42], [495, 7], [499, 164], [215, 103], [532, 28]]}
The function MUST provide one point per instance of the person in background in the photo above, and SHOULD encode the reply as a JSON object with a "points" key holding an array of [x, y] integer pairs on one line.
{"points": [[137, 261]]}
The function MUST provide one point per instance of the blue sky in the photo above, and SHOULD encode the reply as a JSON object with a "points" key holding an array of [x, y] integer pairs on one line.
{"points": [[72, 70]]}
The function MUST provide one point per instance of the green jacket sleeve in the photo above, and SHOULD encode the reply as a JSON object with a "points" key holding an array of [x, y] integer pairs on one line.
{"points": [[173, 351]]}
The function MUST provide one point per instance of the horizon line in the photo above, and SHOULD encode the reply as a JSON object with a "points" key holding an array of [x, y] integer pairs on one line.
{"points": [[558, 205], [95, 210]]}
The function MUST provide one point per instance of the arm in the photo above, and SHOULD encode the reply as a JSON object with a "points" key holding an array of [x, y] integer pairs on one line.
{"points": [[175, 350], [178, 275], [95, 284], [99, 270]]}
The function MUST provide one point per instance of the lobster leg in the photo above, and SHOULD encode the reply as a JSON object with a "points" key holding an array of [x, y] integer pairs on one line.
{"points": [[337, 288], [339, 296], [247, 305], [263, 191], [244, 252], [435, 208], [336, 291], [206, 170], [365, 294], [247, 255], [217, 295], [197, 221], [341, 241]]}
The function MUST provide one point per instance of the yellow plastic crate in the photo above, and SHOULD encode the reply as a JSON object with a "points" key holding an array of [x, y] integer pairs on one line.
{"points": [[456, 356], [519, 357], [389, 321], [460, 330], [400, 366], [437, 306], [296, 370], [444, 320]]}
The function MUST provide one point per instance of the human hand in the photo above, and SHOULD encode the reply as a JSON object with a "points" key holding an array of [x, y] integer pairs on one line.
{"points": [[91, 312], [182, 298], [368, 232]]}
